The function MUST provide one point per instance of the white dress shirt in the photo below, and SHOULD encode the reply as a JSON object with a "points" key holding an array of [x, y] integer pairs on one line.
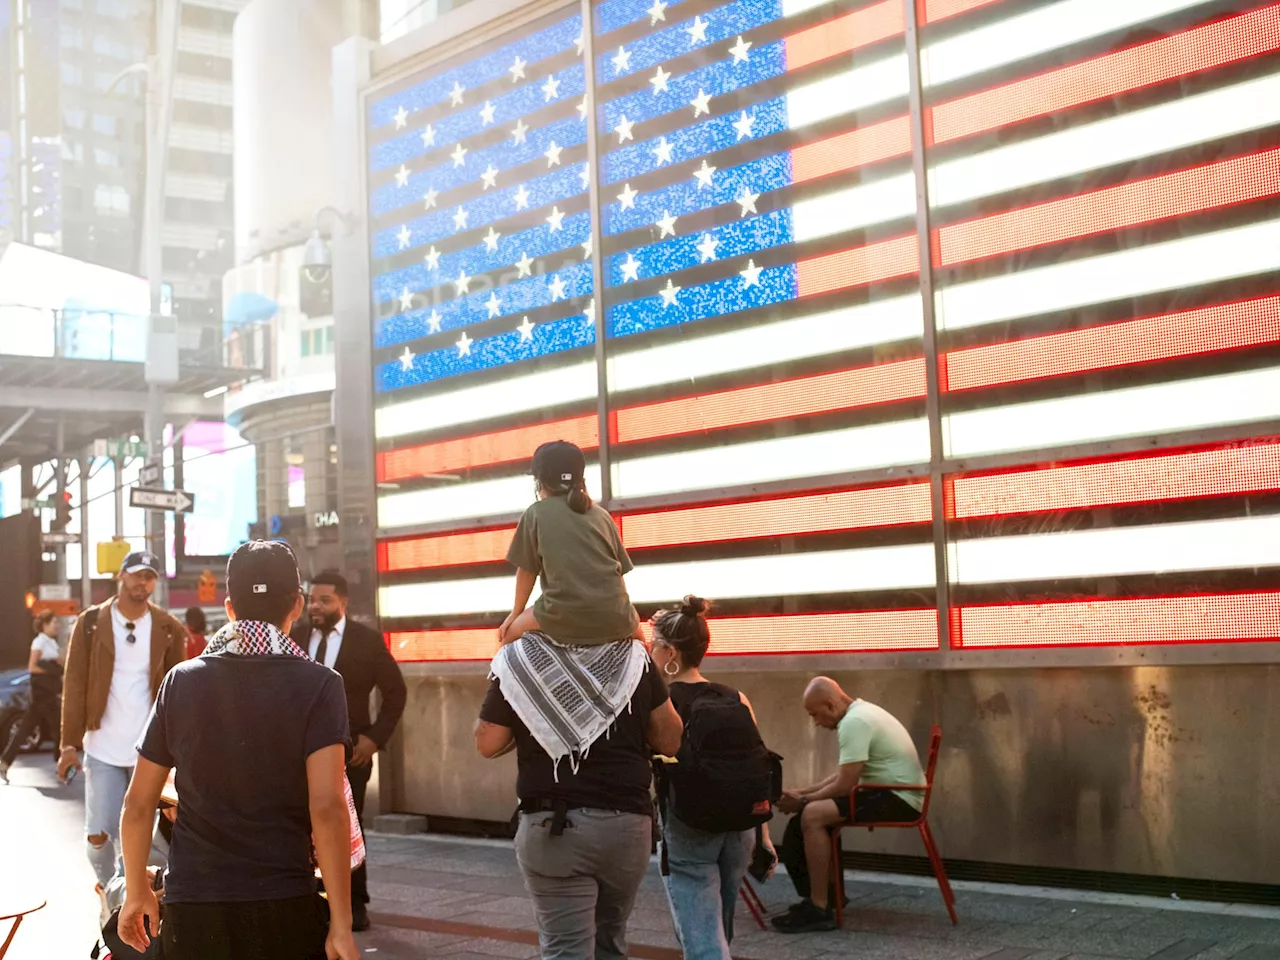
{"points": [[335, 643]]}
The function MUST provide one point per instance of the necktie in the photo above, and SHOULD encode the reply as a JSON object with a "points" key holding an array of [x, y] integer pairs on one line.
{"points": [[323, 648]]}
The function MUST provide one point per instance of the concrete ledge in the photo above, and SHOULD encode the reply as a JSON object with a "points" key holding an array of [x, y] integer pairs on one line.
{"points": [[401, 824]]}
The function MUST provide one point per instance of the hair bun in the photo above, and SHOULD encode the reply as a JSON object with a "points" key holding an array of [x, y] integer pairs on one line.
{"points": [[694, 606]]}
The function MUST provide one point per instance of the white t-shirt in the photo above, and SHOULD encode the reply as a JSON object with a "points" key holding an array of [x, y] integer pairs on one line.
{"points": [[47, 645], [129, 702]]}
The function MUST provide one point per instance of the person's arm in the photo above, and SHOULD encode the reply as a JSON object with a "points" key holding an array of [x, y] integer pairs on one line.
{"points": [[391, 687], [493, 740], [75, 681], [139, 921], [665, 729], [331, 832], [839, 784], [33, 662], [525, 581]]}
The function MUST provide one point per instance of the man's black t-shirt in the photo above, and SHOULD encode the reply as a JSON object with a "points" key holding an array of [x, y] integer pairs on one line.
{"points": [[614, 775], [239, 731]]}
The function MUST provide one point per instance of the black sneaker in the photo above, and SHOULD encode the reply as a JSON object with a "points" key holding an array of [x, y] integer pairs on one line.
{"points": [[359, 918], [805, 917]]}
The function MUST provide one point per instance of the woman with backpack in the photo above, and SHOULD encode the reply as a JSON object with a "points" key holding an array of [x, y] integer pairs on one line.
{"points": [[717, 795]]}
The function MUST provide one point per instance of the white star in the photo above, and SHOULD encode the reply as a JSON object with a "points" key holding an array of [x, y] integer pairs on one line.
{"points": [[628, 197], [402, 238], [668, 293], [429, 198], [491, 240], [707, 248], [697, 32], [406, 299], [519, 131], [657, 12], [667, 225], [429, 136], [580, 42], [402, 117], [455, 95], [555, 219], [517, 69], [406, 360], [659, 81], [433, 321], [464, 345], [402, 176], [432, 258], [459, 156], [662, 152], [524, 266], [583, 106], [486, 114], [703, 175], [460, 218], [490, 176], [585, 174], [522, 198], [551, 89], [623, 129], [526, 330], [739, 50], [556, 288], [494, 305], [587, 246], [589, 314], [463, 283], [751, 275], [701, 103], [630, 269], [553, 155], [747, 201], [621, 60], [743, 125]]}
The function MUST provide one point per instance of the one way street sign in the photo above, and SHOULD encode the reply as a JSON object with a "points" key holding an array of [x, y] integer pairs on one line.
{"points": [[179, 501]]}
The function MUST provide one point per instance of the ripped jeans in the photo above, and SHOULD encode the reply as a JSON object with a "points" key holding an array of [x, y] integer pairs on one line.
{"points": [[104, 788]]}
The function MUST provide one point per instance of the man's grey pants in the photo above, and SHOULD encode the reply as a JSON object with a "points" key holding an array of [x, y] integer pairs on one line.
{"points": [[584, 882]]}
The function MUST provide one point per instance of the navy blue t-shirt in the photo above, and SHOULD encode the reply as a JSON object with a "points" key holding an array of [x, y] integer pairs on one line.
{"points": [[239, 730]]}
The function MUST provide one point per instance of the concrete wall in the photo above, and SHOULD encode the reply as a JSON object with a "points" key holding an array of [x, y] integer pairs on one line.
{"points": [[1155, 770]]}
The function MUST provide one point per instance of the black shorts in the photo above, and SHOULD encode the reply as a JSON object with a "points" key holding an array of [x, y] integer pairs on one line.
{"points": [[293, 929], [878, 806]]}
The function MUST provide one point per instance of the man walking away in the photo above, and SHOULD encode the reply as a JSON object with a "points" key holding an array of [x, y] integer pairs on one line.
{"points": [[257, 736], [361, 657], [120, 650], [45, 669]]}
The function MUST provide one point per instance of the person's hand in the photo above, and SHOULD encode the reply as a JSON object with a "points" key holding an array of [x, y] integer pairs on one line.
{"points": [[66, 760], [140, 906], [341, 945], [789, 803], [362, 753], [506, 625]]}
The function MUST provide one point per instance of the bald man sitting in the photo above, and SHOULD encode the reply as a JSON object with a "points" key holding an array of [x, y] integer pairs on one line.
{"points": [[874, 748]]}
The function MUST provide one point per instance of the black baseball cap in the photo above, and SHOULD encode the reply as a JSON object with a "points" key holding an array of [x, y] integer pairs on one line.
{"points": [[141, 560], [559, 464], [261, 569]]}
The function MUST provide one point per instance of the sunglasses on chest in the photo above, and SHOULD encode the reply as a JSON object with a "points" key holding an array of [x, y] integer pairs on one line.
{"points": [[130, 637]]}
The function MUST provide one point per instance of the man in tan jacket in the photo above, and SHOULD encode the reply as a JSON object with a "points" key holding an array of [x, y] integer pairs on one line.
{"points": [[119, 652]]}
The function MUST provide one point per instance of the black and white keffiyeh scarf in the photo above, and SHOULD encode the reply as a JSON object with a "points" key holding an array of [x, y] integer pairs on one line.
{"points": [[568, 696]]}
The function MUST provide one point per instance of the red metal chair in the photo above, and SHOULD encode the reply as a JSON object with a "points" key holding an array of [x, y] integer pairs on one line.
{"points": [[922, 822], [752, 900]]}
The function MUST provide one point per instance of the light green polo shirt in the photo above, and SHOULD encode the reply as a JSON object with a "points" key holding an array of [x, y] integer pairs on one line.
{"points": [[872, 736]]}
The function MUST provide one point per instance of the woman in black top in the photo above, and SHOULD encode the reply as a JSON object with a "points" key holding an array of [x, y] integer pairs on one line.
{"points": [[46, 689], [705, 869]]}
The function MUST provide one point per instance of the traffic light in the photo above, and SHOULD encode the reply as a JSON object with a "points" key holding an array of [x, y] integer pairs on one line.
{"points": [[62, 510]]}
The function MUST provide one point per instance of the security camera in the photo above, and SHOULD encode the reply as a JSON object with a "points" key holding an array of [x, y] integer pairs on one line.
{"points": [[317, 258]]}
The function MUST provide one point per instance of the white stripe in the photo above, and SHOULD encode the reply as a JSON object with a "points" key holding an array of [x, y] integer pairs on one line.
{"points": [[533, 391], [1185, 262], [765, 345], [1133, 411], [862, 206], [1143, 133], [796, 574], [1037, 32], [485, 498], [780, 458], [845, 92], [1163, 548], [791, 8]]}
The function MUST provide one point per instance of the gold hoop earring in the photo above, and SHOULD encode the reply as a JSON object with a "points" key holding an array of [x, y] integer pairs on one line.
{"points": [[667, 669]]}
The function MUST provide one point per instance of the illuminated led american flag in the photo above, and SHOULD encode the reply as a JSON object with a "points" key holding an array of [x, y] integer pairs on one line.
{"points": [[1102, 180]]}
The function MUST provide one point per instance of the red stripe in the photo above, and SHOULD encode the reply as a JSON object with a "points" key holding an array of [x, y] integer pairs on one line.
{"points": [[1157, 61], [1153, 199], [872, 263], [857, 148], [486, 449], [447, 550], [1226, 326], [855, 30], [935, 10], [1225, 618], [1223, 471]]}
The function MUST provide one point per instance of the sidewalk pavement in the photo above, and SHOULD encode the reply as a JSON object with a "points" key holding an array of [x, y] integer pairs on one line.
{"points": [[463, 899]]}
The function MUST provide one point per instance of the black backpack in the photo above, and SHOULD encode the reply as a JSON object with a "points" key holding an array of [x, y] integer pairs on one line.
{"points": [[725, 778]]}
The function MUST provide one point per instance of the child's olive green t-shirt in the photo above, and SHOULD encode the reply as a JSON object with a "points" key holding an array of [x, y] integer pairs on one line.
{"points": [[580, 560]]}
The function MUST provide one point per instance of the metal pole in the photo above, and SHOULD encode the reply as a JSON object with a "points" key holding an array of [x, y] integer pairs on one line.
{"points": [[59, 489], [117, 467], [86, 571], [154, 437]]}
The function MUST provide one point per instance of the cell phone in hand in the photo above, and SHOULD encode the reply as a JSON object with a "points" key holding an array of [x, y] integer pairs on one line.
{"points": [[71, 774]]}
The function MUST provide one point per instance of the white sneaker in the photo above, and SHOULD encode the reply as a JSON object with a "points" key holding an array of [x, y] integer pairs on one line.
{"points": [[104, 912]]}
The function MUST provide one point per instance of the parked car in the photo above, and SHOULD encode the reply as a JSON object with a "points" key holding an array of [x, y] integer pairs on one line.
{"points": [[15, 694]]}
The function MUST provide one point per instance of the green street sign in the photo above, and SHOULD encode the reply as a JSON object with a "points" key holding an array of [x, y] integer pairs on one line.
{"points": [[119, 448]]}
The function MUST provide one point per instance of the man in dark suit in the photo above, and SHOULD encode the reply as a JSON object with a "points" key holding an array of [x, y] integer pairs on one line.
{"points": [[359, 654]]}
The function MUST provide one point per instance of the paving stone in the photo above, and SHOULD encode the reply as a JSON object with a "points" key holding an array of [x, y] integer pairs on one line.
{"points": [[1258, 951]]}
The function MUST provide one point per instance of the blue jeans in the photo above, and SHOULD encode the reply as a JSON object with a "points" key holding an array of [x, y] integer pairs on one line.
{"points": [[706, 870], [104, 788]]}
